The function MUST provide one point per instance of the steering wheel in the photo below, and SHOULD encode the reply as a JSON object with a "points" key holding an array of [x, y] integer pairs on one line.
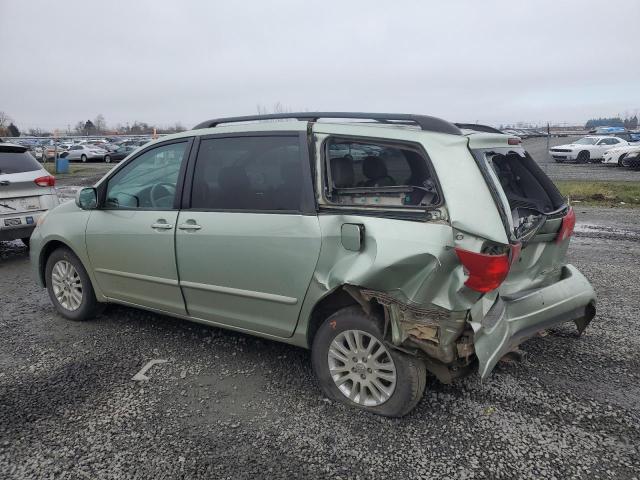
{"points": [[158, 197]]}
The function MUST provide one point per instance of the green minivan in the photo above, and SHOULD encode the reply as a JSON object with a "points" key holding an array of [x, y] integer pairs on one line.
{"points": [[391, 245]]}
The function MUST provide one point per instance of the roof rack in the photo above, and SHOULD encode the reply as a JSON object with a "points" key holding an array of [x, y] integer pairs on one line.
{"points": [[426, 123], [478, 127]]}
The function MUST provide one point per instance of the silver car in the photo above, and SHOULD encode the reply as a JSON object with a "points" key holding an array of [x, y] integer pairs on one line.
{"points": [[86, 152], [26, 192]]}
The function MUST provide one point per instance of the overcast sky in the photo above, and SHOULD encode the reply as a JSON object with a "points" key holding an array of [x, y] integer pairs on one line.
{"points": [[163, 61]]}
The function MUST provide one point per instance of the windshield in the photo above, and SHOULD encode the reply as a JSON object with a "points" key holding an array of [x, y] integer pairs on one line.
{"points": [[586, 141]]}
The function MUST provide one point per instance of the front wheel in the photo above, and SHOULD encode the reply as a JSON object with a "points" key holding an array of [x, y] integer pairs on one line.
{"points": [[107, 158], [83, 158], [355, 366], [583, 157], [69, 286]]}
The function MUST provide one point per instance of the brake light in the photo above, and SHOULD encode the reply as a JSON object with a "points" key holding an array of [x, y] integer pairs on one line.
{"points": [[47, 181], [486, 272], [568, 224], [514, 141]]}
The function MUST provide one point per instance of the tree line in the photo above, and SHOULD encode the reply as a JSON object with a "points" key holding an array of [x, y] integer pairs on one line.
{"points": [[97, 126], [630, 123]]}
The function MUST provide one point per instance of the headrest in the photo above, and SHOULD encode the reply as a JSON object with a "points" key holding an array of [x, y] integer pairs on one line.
{"points": [[342, 172], [233, 178], [374, 168]]}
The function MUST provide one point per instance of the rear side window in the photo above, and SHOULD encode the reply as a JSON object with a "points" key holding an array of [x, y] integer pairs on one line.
{"points": [[16, 160], [363, 173], [248, 173]]}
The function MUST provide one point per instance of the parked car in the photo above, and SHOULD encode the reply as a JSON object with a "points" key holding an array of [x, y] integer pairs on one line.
{"points": [[587, 149], [119, 153], [616, 155], [26, 192], [86, 153], [632, 160], [441, 251]]}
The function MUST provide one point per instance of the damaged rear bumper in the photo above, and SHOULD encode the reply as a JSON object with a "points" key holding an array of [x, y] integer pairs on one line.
{"points": [[512, 320]]}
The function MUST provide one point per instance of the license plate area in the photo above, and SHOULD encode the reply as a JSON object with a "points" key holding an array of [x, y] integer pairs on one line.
{"points": [[18, 205], [12, 222]]}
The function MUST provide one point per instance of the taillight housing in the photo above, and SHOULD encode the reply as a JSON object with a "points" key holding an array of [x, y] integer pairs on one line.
{"points": [[47, 181], [568, 224], [486, 272]]}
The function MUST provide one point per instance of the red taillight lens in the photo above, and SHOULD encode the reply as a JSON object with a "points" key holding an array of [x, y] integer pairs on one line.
{"points": [[568, 224], [47, 181], [514, 141], [486, 272]]}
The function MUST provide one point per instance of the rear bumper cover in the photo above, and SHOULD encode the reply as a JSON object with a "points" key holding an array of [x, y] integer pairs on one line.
{"points": [[512, 320]]}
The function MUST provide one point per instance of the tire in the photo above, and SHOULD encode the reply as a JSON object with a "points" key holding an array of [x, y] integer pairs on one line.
{"points": [[399, 398], [83, 158], [26, 241], [107, 159], [620, 160], [87, 307], [583, 157]]}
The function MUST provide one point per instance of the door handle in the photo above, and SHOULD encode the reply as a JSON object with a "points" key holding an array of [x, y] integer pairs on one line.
{"points": [[161, 226], [189, 226]]}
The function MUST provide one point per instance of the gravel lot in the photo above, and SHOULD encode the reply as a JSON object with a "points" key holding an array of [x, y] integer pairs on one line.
{"points": [[226, 405]]}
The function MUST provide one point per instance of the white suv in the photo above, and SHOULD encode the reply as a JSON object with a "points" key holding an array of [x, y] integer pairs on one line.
{"points": [[26, 192], [586, 149]]}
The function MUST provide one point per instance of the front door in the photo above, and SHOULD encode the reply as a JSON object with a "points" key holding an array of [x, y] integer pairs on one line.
{"points": [[131, 237], [248, 241]]}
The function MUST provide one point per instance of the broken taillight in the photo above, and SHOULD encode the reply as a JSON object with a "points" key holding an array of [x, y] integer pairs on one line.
{"points": [[568, 224], [486, 272], [47, 181]]}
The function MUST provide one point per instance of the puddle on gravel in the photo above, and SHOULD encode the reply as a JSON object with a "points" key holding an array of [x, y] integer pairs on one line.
{"points": [[590, 230]]}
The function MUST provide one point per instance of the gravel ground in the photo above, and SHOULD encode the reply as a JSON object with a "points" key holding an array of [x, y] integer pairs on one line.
{"points": [[226, 405]]}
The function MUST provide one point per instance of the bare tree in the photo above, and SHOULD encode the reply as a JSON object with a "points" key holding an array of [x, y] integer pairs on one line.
{"points": [[276, 108], [100, 123], [5, 119]]}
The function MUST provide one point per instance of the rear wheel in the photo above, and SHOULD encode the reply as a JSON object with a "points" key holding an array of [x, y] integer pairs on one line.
{"points": [[83, 158], [107, 158], [69, 286], [355, 366], [583, 157]]}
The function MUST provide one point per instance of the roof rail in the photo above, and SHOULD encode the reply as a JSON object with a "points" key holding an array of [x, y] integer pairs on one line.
{"points": [[478, 127], [431, 124]]}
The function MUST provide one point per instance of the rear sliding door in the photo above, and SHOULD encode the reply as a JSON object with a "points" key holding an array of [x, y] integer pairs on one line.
{"points": [[248, 241]]}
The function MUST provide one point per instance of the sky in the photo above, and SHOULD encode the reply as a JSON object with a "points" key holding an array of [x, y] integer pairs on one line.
{"points": [[162, 62]]}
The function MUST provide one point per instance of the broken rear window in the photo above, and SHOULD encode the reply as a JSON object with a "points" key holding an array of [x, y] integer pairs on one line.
{"points": [[377, 174]]}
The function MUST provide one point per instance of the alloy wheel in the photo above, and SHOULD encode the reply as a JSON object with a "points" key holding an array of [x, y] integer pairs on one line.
{"points": [[67, 285], [362, 368]]}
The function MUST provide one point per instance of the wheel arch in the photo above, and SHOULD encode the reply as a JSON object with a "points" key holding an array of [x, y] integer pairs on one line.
{"points": [[46, 251], [341, 297]]}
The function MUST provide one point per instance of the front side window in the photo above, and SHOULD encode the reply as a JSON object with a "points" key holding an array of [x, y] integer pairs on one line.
{"points": [[248, 173], [376, 174], [149, 181]]}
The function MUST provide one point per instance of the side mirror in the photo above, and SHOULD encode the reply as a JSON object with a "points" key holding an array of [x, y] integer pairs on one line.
{"points": [[87, 198]]}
